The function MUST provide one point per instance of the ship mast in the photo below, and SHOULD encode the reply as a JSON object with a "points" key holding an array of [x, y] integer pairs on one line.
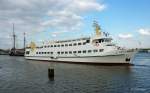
{"points": [[97, 28], [24, 40], [14, 38]]}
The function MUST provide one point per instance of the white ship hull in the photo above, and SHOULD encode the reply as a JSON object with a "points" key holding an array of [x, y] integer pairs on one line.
{"points": [[118, 59]]}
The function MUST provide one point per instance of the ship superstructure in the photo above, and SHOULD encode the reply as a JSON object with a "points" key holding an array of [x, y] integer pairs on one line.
{"points": [[97, 49]]}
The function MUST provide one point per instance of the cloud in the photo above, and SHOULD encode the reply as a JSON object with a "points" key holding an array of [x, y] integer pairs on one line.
{"points": [[69, 17], [32, 16], [125, 36], [143, 31], [85, 5], [63, 21]]}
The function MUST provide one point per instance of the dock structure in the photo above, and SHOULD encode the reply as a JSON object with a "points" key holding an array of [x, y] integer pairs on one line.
{"points": [[4, 52], [146, 50]]}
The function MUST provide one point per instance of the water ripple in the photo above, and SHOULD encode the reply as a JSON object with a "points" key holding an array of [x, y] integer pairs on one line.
{"points": [[18, 75]]}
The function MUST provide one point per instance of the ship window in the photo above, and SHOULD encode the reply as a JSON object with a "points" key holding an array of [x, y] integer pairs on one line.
{"points": [[106, 40], [84, 43], [66, 44], [44, 52], [48, 46], [101, 40], [101, 50], [62, 52], [109, 45], [79, 43], [79, 51], [84, 51], [58, 52], [95, 50], [48, 52], [27, 52], [87, 41], [70, 52], [74, 51], [89, 51], [36, 52], [54, 45], [51, 45], [66, 52], [75, 44], [45, 46], [70, 44], [51, 52], [62, 45], [58, 45]]}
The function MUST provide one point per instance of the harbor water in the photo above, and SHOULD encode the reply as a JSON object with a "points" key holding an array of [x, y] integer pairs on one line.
{"points": [[18, 75]]}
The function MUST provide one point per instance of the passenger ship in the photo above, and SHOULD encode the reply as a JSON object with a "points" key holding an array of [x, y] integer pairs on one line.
{"points": [[97, 49]]}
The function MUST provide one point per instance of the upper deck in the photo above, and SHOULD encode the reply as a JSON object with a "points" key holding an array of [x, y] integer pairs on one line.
{"points": [[100, 37]]}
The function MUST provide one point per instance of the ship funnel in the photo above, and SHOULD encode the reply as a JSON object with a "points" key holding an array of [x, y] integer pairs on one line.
{"points": [[97, 28], [32, 46]]}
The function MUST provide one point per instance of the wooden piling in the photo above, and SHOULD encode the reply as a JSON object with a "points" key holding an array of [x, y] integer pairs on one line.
{"points": [[51, 73]]}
